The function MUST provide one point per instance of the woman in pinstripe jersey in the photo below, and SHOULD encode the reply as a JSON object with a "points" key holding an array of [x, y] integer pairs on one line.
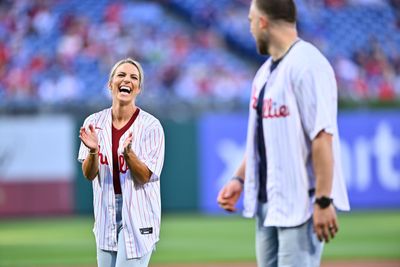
{"points": [[122, 154]]}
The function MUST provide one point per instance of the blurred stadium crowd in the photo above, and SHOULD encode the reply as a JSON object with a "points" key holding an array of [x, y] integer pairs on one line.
{"points": [[58, 53]]}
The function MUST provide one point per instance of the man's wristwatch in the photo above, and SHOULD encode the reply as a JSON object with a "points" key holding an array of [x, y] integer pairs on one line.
{"points": [[323, 202]]}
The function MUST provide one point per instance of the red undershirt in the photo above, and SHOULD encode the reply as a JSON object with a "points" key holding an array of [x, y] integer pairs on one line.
{"points": [[116, 136]]}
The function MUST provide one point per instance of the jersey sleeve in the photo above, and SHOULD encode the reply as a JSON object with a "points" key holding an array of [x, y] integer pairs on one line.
{"points": [[316, 96], [83, 150], [153, 145]]}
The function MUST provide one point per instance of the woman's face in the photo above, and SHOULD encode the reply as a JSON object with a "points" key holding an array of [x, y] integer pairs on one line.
{"points": [[125, 83]]}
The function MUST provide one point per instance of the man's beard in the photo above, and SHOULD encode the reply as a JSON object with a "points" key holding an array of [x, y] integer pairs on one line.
{"points": [[263, 45]]}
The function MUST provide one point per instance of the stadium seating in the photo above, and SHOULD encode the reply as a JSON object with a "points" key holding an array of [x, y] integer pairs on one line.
{"points": [[54, 53]]}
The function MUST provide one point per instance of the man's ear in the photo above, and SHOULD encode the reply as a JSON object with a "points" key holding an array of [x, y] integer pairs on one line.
{"points": [[263, 22]]}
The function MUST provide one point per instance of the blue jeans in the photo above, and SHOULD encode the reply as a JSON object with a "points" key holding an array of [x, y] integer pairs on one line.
{"points": [[286, 246], [118, 258]]}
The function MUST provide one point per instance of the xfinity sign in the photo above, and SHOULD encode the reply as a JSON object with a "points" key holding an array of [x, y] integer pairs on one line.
{"points": [[370, 148]]}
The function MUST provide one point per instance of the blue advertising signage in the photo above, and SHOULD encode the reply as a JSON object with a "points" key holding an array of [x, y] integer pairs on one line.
{"points": [[370, 148], [221, 148]]}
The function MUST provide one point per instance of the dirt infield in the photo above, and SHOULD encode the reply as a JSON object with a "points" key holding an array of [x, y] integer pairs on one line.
{"points": [[327, 264]]}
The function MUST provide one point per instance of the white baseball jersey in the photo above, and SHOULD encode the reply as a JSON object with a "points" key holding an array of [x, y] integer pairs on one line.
{"points": [[300, 100], [141, 209]]}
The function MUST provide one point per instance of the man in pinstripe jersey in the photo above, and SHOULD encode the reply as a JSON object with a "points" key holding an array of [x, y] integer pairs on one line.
{"points": [[122, 153], [291, 173]]}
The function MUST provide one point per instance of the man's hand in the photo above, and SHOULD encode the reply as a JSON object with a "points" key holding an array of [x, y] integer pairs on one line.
{"points": [[325, 223], [229, 195]]}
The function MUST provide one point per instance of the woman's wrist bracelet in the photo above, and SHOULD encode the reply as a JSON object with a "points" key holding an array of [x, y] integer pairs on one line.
{"points": [[93, 153]]}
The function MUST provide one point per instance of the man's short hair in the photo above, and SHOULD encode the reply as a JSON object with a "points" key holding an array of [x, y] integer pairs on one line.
{"points": [[278, 9]]}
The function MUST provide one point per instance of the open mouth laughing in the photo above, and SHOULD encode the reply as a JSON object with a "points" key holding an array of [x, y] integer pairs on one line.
{"points": [[125, 90]]}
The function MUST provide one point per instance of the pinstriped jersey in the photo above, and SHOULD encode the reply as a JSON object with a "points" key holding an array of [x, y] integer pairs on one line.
{"points": [[300, 100], [141, 208]]}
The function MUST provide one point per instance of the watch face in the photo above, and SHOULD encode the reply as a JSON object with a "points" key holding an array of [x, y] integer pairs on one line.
{"points": [[323, 202]]}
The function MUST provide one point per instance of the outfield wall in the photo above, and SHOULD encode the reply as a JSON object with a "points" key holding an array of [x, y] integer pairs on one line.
{"points": [[39, 173], [370, 148]]}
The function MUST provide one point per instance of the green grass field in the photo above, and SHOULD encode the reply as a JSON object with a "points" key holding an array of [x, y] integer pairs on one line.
{"points": [[187, 238]]}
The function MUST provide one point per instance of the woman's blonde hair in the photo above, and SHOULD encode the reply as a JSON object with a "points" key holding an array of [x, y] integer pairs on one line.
{"points": [[130, 61]]}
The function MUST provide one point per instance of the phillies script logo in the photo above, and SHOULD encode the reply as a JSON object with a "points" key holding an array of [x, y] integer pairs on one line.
{"points": [[123, 167], [271, 109]]}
